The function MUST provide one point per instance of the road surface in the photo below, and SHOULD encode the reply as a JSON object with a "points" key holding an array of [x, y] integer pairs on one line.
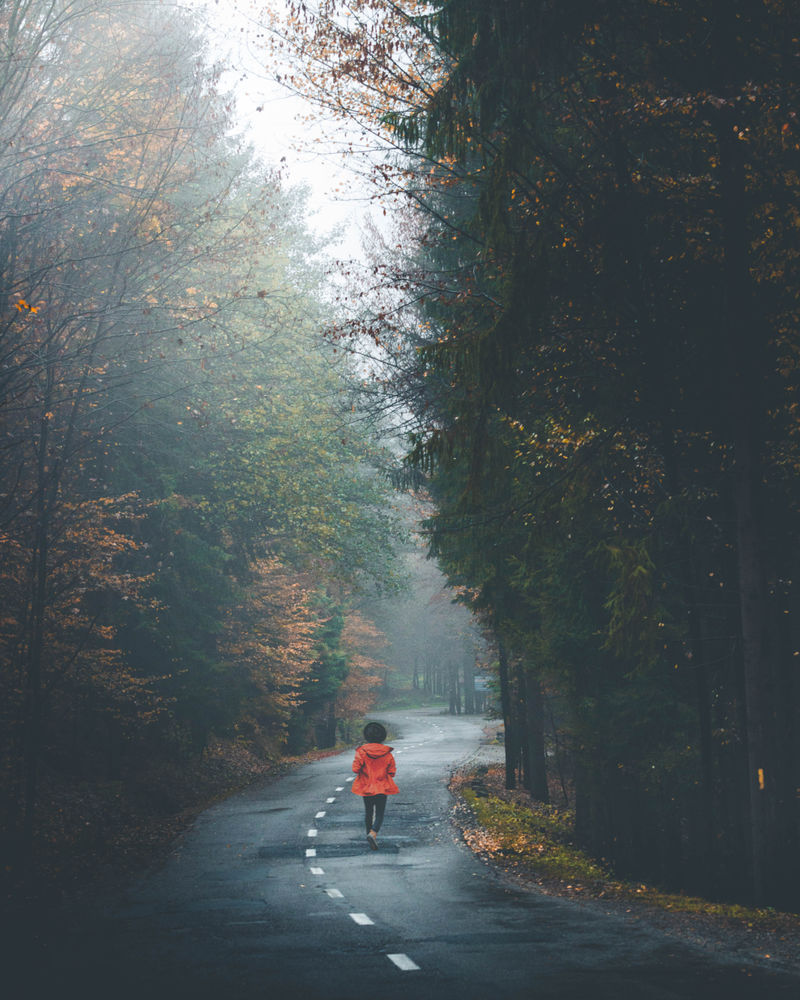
{"points": [[275, 894]]}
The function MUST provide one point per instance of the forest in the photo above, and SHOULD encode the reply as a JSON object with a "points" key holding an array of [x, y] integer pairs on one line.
{"points": [[189, 502], [572, 342], [589, 315]]}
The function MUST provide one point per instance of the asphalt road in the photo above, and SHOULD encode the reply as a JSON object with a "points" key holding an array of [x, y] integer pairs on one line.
{"points": [[275, 894]]}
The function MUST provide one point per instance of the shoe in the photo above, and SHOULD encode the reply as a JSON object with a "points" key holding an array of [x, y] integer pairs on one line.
{"points": [[372, 840]]}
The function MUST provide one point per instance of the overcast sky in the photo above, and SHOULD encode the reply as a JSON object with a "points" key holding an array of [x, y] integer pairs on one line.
{"points": [[271, 117]]}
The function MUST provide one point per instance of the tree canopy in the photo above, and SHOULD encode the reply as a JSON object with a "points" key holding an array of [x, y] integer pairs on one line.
{"points": [[583, 323], [592, 317], [189, 497]]}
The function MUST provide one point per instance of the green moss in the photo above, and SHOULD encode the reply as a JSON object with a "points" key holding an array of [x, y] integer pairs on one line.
{"points": [[536, 835], [539, 839]]}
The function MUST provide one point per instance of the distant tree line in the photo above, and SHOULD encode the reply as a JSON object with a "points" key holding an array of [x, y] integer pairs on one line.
{"points": [[187, 498], [590, 308]]}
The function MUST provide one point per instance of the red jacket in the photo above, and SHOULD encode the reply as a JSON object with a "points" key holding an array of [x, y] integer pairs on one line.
{"points": [[375, 767]]}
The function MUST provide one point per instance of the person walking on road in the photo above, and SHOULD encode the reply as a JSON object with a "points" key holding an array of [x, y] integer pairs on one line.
{"points": [[375, 768]]}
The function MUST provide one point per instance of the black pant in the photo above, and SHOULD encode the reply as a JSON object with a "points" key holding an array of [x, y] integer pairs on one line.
{"points": [[374, 806]]}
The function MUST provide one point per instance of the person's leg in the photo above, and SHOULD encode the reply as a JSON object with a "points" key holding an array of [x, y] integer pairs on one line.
{"points": [[374, 806], [373, 815], [369, 808], [380, 808]]}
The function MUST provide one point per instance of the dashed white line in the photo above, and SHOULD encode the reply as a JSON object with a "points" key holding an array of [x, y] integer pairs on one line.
{"points": [[332, 799], [334, 894], [312, 832], [362, 918], [317, 871], [340, 788], [352, 779], [320, 815], [403, 962], [311, 852]]}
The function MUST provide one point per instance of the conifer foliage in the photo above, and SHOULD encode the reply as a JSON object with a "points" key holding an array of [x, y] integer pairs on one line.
{"points": [[597, 319]]}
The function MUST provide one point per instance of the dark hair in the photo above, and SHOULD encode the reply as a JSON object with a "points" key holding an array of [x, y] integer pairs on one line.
{"points": [[374, 732]]}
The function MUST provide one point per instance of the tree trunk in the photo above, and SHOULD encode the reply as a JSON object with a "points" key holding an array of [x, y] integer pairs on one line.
{"points": [[469, 687], [755, 655], [536, 777], [511, 744], [331, 724], [35, 638], [746, 357]]}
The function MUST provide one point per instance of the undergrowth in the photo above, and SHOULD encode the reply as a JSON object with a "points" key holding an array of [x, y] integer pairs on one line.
{"points": [[538, 840]]}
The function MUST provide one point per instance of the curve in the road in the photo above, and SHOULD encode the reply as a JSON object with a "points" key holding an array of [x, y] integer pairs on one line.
{"points": [[265, 897]]}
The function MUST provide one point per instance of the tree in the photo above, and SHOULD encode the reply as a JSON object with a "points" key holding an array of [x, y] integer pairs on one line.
{"points": [[163, 373], [582, 141], [93, 171], [367, 673], [607, 295]]}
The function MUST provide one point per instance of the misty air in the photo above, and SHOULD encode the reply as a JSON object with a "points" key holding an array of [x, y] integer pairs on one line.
{"points": [[399, 504]]}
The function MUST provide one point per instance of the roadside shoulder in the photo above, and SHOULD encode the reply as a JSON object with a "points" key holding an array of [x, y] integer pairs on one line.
{"points": [[766, 939]]}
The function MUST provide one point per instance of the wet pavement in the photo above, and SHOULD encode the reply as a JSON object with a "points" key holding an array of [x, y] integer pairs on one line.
{"points": [[274, 893]]}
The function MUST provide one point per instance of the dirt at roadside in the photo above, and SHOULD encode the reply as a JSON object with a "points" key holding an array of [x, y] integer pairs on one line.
{"points": [[775, 947]]}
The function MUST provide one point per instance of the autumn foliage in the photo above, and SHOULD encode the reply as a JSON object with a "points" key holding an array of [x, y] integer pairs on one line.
{"points": [[183, 477]]}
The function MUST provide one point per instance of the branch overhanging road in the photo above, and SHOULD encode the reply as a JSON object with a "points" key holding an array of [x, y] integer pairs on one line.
{"points": [[274, 893]]}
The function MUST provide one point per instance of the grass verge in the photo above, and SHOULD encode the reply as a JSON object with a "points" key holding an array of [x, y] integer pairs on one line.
{"points": [[534, 840]]}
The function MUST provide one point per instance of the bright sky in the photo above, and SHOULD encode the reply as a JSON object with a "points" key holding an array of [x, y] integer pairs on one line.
{"points": [[271, 118]]}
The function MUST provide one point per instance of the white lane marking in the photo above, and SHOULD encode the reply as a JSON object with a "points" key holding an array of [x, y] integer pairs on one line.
{"points": [[320, 815], [312, 832], [317, 871], [352, 779], [332, 799], [334, 894], [311, 852], [361, 918], [403, 962], [340, 788]]}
